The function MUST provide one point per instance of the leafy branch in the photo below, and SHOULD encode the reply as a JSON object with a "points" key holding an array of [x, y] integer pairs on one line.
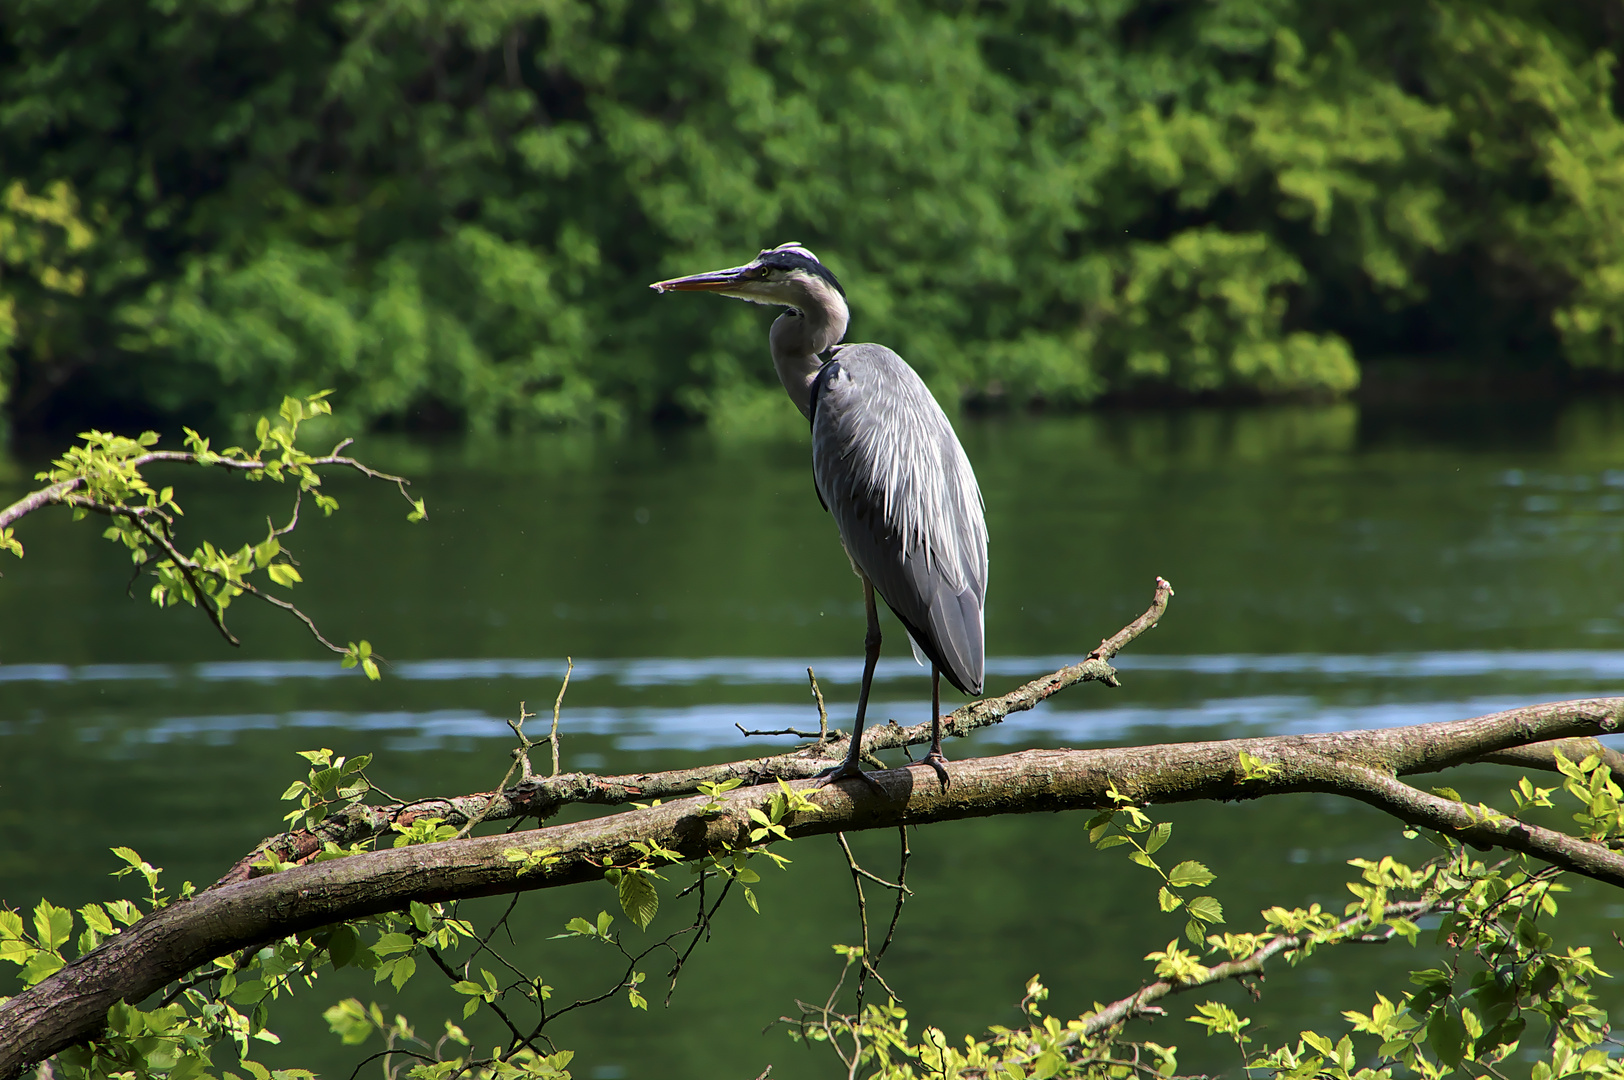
{"points": [[104, 475]]}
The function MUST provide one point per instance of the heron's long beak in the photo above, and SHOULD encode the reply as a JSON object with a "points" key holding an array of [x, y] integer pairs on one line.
{"points": [[712, 281]]}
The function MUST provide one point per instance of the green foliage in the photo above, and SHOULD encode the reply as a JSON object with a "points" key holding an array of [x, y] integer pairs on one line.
{"points": [[105, 476], [449, 1056], [1126, 824], [41, 239], [457, 207], [332, 780]]}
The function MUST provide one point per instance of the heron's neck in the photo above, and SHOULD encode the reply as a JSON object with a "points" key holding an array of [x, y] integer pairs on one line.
{"points": [[797, 337]]}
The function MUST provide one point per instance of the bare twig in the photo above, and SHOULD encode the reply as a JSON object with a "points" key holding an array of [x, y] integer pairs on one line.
{"points": [[521, 760], [569, 666], [821, 735], [823, 713], [797, 732]]}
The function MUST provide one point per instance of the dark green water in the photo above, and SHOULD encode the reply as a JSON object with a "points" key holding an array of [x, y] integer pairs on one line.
{"points": [[1335, 569]]}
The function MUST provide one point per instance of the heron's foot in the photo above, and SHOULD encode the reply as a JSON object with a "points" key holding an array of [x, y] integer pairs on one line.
{"points": [[850, 770], [936, 760]]}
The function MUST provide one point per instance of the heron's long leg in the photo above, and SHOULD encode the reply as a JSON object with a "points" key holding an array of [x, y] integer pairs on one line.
{"points": [[935, 758], [871, 657]]}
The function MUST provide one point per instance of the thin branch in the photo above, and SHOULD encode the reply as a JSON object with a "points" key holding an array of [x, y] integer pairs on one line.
{"points": [[797, 732], [1140, 1002], [253, 590], [58, 493], [540, 798], [521, 760], [823, 713], [293, 519], [37, 500], [188, 567], [451, 973], [558, 704]]}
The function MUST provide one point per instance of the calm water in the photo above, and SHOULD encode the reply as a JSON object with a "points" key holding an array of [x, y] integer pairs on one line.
{"points": [[1334, 570]]}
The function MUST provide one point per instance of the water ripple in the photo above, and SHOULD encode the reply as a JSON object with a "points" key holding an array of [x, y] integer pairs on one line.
{"points": [[769, 671]]}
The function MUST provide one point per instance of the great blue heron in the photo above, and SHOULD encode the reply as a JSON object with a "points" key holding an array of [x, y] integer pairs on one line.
{"points": [[887, 466]]}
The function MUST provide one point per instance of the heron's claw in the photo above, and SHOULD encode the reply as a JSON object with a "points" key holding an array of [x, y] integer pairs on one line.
{"points": [[936, 760], [851, 771]]}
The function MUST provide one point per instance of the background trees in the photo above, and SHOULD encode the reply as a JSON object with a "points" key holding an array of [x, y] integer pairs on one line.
{"points": [[449, 211]]}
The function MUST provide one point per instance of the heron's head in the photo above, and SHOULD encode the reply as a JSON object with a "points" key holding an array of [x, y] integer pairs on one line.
{"points": [[786, 276]]}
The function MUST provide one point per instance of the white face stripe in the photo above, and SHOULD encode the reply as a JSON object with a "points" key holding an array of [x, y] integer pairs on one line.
{"points": [[795, 246]]}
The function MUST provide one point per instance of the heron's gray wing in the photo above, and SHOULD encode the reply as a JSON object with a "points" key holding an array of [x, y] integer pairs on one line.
{"points": [[892, 473]]}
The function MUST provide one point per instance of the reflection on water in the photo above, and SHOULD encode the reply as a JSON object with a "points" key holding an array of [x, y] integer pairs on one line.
{"points": [[1335, 568], [1310, 693]]}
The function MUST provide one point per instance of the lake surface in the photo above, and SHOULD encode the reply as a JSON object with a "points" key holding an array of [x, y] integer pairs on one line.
{"points": [[1335, 568]]}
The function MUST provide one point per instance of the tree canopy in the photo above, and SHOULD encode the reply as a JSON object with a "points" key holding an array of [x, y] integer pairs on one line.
{"points": [[449, 210]]}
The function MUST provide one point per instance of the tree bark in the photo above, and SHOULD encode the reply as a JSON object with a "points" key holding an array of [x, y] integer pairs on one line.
{"points": [[70, 1006]]}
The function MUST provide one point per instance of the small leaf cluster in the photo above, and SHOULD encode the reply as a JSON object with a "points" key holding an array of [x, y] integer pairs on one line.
{"points": [[1253, 768], [713, 793], [1127, 824], [1472, 1013], [634, 883], [331, 781], [1601, 814], [175, 1039], [103, 474], [39, 953], [528, 862], [355, 1023], [781, 807], [1045, 1048], [599, 931]]}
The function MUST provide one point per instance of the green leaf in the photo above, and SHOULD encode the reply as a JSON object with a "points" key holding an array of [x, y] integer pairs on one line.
{"points": [[283, 574], [53, 926], [266, 551], [40, 966], [1168, 899], [1433, 977], [1205, 908], [392, 943], [405, 967], [95, 917], [343, 945], [124, 911], [348, 1020], [1188, 873], [247, 993], [638, 899], [1158, 836], [1447, 1036], [11, 924]]}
